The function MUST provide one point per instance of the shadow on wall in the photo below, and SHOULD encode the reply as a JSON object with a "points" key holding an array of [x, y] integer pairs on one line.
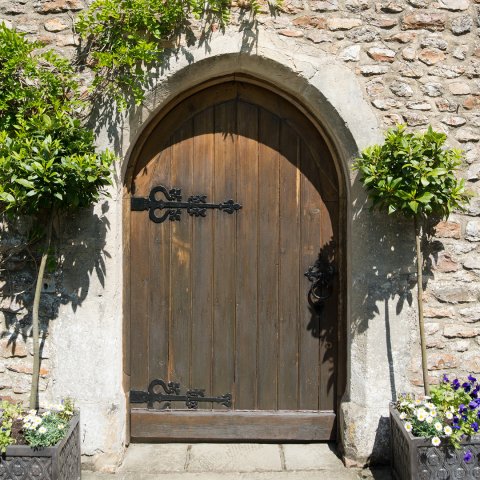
{"points": [[385, 283], [106, 114], [78, 251]]}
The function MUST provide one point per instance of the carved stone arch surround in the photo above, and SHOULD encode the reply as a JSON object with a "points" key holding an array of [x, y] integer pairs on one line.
{"points": [[329, 94]]}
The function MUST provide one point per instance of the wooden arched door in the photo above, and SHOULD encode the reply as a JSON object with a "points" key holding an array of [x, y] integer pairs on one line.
{"points": [[218, 300]]}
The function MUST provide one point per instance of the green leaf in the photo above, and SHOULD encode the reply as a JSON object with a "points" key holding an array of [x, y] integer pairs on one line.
{"points": [[425, 198], [24, 182], [413, 205]]}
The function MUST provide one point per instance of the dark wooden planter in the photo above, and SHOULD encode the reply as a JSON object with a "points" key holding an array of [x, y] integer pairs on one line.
{"points": [[60, 462], [416, 458]]}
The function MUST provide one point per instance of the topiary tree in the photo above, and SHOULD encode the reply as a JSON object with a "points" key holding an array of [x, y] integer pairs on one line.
{"points": [[413, 174], [48, 162]]}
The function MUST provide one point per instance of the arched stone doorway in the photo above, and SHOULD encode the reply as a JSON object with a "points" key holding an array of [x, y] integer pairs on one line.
{"points": [[219, 302]]}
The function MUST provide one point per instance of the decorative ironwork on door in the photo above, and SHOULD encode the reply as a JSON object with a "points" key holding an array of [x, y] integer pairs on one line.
{"points": [[171, 393], [196, 205], [321, 274]]}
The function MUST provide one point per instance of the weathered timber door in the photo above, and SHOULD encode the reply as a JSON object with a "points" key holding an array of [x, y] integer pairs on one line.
{"points": [[218, 298]]}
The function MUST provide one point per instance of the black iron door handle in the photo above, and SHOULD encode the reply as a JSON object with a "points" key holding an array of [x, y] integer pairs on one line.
{"points": [[321, 275]]}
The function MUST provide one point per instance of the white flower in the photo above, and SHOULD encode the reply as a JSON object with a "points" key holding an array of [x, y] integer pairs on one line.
{"points": [[421, 414], [452, 409], [429, 419], [47, 413], [417, 401], [408, 427], [433, 413], [430, 406], [449, 415], [403, 416], [61, 426], [438, 427], [435, 441], [448, 430], [42, 430]]}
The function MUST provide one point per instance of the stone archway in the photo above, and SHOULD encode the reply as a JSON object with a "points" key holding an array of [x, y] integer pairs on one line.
{"points": [[323, 89]]}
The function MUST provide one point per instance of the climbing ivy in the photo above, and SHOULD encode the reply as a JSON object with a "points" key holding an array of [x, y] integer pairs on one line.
{"points": [[121, 39]]}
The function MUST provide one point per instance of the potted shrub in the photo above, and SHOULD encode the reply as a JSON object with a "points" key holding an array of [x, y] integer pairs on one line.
{"points": [[48, 167], [414, 174]]}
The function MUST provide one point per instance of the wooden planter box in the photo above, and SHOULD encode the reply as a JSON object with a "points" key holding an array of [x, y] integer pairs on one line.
{"points": [[415, 458], [60, 462]]}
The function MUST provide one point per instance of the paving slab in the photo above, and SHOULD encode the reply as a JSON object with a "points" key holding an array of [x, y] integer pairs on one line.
{"points": [[344, 474], [240, 461], [309, 475], [235, 457], [148, 458], [314, 456]]}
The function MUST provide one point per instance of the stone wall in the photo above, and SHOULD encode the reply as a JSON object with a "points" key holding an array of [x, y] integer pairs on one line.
{"points": [[415, 62]]}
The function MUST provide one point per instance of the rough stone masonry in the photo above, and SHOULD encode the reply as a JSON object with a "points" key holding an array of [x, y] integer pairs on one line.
{"points": [[416, 62]]}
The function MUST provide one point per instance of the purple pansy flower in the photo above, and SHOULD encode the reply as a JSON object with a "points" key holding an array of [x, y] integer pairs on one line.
{"points": [[472, 378], [474, 425], [466, 386], [445, 378], [468, 456], [455, 419], [461, 408], [456, 384], [473, 405]]}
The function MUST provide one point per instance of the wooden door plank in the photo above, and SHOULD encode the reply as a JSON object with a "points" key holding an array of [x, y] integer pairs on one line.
{"points": [[224, 310], [288, 296], [140, 288], [329, 332], [159, 238], [311, 221], [246, 270], [202, 255], [235, 426], [180, 328], [268, 237]]}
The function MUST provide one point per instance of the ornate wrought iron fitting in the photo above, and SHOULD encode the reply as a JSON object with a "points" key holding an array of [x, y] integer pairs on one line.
{"points": [[171, 205], [171, 393], [321, 275]]}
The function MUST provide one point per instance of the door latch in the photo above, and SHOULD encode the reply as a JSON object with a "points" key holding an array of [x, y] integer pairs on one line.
{"points": [[321, 275]]}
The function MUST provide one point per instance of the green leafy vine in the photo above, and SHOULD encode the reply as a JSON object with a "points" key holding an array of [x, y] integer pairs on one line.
{"points": [[122, 39]]}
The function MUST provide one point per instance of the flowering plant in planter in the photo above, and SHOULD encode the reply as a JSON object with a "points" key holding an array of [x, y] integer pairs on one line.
{"points": [[37, 429], [450, 415], [40, 443]]}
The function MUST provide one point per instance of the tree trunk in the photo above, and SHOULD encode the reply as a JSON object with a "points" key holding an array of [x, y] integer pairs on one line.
{"points": [[418, 235], [35, 319]]}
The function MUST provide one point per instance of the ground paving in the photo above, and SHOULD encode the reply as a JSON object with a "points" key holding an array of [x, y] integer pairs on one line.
{"points": [[205, 461]]}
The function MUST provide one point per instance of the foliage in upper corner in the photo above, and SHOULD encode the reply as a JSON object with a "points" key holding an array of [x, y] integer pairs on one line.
{"points": [[413, 173], [122, 38], [47, 158]]}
